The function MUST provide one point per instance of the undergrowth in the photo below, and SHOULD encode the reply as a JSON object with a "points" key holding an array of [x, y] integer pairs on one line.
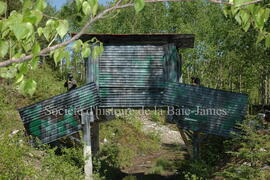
{"points": [[19, 160], [122, 140]]}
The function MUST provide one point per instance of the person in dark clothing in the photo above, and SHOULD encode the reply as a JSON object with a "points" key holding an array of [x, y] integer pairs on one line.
{"points": [[195, 81], [71, 83], [197, 136]]}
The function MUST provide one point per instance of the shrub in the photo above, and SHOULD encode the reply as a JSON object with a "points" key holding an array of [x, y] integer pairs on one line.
{"points": [[251, 154]]}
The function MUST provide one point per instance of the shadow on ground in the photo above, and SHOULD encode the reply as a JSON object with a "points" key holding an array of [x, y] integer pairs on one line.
{"points": [[142, 176], [175, 153]]}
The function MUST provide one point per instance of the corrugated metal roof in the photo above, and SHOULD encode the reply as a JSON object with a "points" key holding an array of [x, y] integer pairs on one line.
{"points": [[58, 116], [212, 111], [180, 40]]}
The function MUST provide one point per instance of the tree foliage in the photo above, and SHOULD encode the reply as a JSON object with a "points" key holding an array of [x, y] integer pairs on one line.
{"points": [[22, 32], [27, 32], [253, 15]]}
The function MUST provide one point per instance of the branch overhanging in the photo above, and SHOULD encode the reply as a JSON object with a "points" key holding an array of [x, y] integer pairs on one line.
{"points": [[99, 16]]}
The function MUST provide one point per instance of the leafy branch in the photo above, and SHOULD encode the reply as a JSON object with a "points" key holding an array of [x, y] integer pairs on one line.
{"points": [[20, 47], [139, 4]]}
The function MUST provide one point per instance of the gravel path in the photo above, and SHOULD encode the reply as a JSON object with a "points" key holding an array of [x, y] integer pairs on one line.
{"points": [[167, 135]]}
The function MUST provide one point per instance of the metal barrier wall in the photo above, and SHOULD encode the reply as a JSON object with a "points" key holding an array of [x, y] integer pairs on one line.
{"points": [[59, 116], [206, 110]]}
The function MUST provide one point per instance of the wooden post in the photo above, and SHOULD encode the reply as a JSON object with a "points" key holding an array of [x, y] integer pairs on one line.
{"points": [[92, 76], [87, 151], [196, 145], [95, 137], [185, 139]]}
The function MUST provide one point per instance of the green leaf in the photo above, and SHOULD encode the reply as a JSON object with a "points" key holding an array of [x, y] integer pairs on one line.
{"points": [[34, 63], [97, 51], [50, 22], [3, 7], [267, 41], [22, 30], [19, 78], [62, 28], [67, 57], [139, 5], [260, 37], [3, 48], [47, 33], [28, 43], [40, 31], [77, 46], [34, 17], [58, 55], [18, 55], [36, 49], [246, 26], [94, 6], [86, 8], [14, 18], [259, 18], [227, 11], [251, 8], [234, 10], [86, 51], [79, 4], [23, 68], [28, 86], [244, 16], [8, 73], [266, 14], [238, 18], [27, 4], [41, 5]]}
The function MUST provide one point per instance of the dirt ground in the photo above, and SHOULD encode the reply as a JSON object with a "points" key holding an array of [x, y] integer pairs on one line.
{"points": [[173, 150]]}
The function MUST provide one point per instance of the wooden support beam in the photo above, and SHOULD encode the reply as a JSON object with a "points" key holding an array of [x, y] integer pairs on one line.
{"points": [[95, 137], [185, 139], [87, 151], [189, 134], [196, 145]]}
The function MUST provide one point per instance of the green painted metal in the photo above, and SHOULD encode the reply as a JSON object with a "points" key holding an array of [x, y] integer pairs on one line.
{"points": [[206, 110], [130, 76], [59, 116], [135, 75]]}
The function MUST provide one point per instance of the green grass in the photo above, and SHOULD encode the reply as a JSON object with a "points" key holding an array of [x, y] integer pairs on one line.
{"points": [[18, 160], [126, 134], [158, 116], [125, 137], [10, 100], [125, 141], [161, 166]]}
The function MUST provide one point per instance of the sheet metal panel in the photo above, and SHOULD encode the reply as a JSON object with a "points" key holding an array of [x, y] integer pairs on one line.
{"points": [[58, 116], [211, 111], [131, 75]]}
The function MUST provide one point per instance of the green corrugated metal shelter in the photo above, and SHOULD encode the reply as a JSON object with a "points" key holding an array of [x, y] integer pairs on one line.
{"points": [[133, 68], [135, 71]]}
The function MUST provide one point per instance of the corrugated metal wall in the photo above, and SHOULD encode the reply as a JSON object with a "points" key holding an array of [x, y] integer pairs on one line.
{"points": [[58, 116], [212, 111], [134, 75]]}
